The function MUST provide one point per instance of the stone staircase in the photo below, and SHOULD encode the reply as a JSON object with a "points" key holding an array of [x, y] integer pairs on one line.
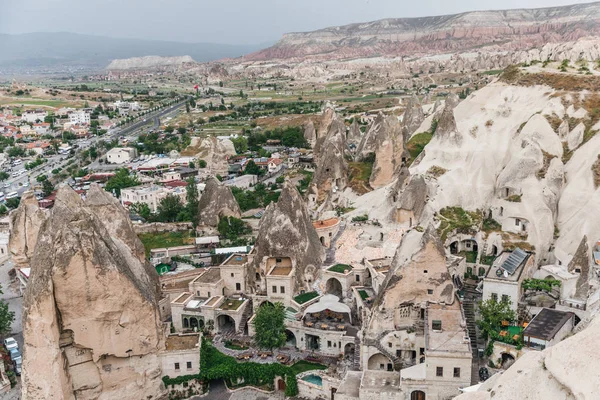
{"points": [[330, 252], [245, 317], [396, 361], [471, 297], [356, 360]]}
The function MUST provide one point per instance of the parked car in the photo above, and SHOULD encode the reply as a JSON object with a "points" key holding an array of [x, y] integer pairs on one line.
{"points": [[10, 343], [17, 364], [15, 354]]}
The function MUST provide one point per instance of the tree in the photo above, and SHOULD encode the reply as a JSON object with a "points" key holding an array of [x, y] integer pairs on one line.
{"points": [[121, 180], [181, 130], [269, 326], [240, 144], [16, 152], [6, 317], [202, 164], [187, 108], [232, 228], [13, 203], [4, 175], [169, 207], [141, 209], [492, 314], [169, 129], [253, 169], [47, 187], [192, 199]]}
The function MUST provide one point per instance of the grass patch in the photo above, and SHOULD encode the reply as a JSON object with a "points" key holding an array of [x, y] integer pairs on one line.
{"points": [[231, 304], [47, 103], [303, 366], [455, 218], [572, 83], [515, 198], [436, 171], [165, 239], [363, 294], [304, 297], [541, 174], [596, 172], [359, 174], [417, 143], [471, 256], [235, 346], [340, 268], [487, 260], [493, 72], [491, 225]]}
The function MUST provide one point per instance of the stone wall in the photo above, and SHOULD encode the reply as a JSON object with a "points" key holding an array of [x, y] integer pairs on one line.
{"points": [[162, 227]]}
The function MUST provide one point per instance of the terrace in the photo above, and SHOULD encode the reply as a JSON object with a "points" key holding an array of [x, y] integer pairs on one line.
{"points": [[230, 304], [329, 314], [341, 268], [182, 342]]}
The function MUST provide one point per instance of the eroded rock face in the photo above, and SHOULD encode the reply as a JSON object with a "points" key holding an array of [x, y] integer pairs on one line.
{"points": [[286, 230], [310, 134], [331, 174], [413, 116], [91, 320], [446, 128], [385, 140], [215, 152], [327, 119], [557, 373], [354, 134], [217, 201], [409, 199], [25, 223]]}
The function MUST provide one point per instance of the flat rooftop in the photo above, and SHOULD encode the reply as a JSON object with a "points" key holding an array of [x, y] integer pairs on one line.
{"points": [[211, 275], [236, 259], [178, 281], [280, 271], [497, 271], [325, 223], [213, 300], [182, 342], [381, 380], [451, 337], [547, 323], [183, 298]]}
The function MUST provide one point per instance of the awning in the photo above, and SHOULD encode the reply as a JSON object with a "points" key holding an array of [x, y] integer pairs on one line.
{"points": [[328, 302]]}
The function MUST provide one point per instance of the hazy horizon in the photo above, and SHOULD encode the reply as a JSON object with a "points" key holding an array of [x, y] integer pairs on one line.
{"points": [[238, 23]]}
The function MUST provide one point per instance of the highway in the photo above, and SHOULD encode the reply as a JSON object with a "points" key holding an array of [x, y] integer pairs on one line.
{"points": [[26, 178]]}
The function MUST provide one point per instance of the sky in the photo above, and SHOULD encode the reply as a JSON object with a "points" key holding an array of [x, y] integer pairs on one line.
{"points": [[223, 21]]}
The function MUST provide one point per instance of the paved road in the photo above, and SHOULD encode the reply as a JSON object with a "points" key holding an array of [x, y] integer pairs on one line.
{"points": [[218, 391]]}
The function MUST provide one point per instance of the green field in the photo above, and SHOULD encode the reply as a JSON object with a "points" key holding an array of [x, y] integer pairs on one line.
{"points": [[165, 239]]}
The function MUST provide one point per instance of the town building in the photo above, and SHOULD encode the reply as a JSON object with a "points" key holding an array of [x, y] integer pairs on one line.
{"points": [[547, 328], [121, 155], [150, 195]]}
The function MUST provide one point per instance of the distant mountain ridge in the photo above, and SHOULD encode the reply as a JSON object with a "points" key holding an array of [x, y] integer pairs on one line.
{"points": [[33, 50], [503, 30]]}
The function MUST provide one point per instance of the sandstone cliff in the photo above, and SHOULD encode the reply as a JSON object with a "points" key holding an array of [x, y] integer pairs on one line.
{"points": [[215, 152], [147, 62], [25, 223], [91, 321], [217, 201], [498, 30], [286, 230]]}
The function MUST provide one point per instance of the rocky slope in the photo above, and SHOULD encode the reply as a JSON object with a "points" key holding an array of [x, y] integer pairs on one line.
{"points": [[148, 62], [286, 230], [520, 29], [25, 222], [91, 322], [217, 201], [215, 152]]}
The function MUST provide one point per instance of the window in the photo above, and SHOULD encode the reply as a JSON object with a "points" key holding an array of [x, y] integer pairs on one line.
{"points": [[198, 293], [517, 221], [439, 371], [429, 291], [495, 296], [456, 372], [468, 244], [436, 325], [274, 289], [189, 365], [424, 271], [176, 366], [505, 298], [281, 289], [389, 344], [278, 260], [232, 274], [238, 286], [329, 343], [208, 294], [357, 277], [381, 366]]}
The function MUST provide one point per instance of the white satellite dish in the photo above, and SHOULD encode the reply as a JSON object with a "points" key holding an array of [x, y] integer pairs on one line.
{"points": [[505, 274]]}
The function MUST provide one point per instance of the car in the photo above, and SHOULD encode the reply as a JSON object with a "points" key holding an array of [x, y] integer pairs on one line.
{"points": [[6, 185], [10, 343], [18, 364], [15, 354]]}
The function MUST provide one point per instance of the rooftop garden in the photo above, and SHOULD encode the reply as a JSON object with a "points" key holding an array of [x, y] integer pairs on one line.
{"points": [[455, 218], [363, 294], [471, 256], [231, 304], [340, 268], [304, 297]]}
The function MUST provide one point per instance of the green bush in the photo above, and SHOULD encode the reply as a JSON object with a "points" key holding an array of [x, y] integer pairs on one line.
{"points": [[361, 218]]}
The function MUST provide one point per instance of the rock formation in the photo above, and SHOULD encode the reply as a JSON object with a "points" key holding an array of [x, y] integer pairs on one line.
{"points": [[354, 135], [216, 152], [216, 201], [563, 371], [409, 202], [331, 174], [384, 140], [580, 264], [310, 134], [286, 230], [446, 127], [413, 116], [25, 223], [512, 30], [327, 119], [91, 320]]}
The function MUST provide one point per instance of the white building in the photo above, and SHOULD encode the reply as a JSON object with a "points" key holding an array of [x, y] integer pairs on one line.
{"points": [[79, 117], [33, 116], [150, 195], [121, 155], [504, 278]]}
